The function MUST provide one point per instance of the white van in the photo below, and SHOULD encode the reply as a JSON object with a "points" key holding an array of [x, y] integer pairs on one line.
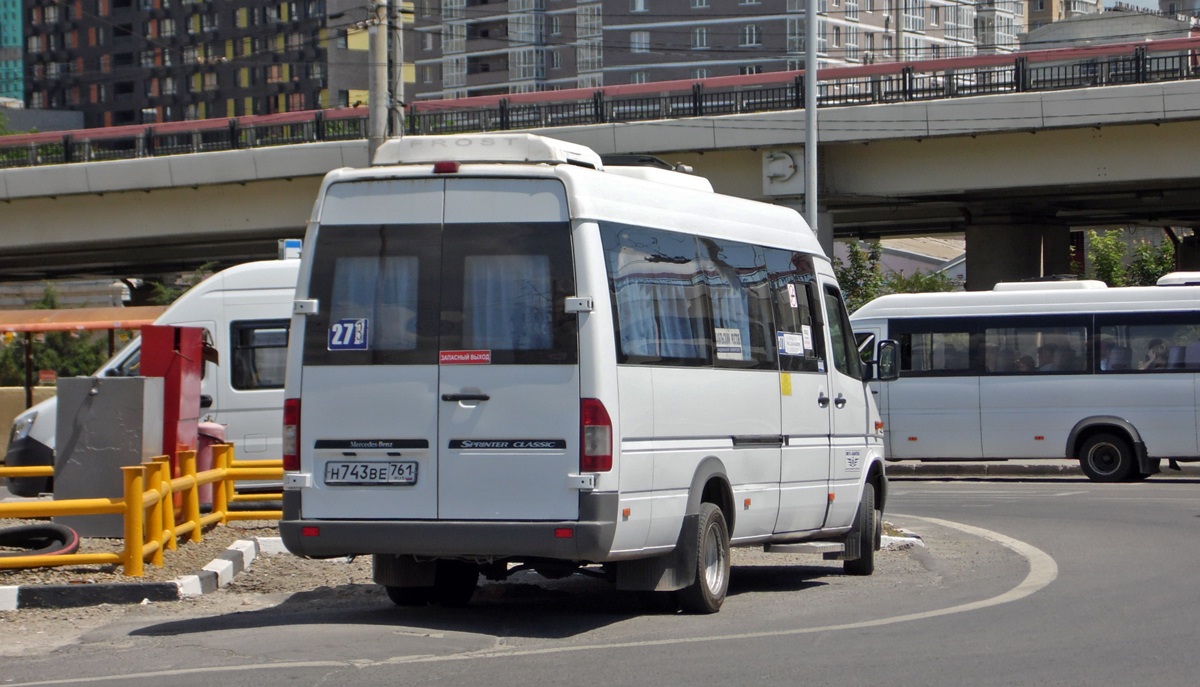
{"points": [[1106, 376], [245, 309], [507, 355]]}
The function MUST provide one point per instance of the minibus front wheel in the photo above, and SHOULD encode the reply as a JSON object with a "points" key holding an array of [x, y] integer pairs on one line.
{"points": [[1106, 457]]}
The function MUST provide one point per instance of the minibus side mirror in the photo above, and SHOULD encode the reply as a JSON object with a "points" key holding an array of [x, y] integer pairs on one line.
{"points": [[886, 368]]}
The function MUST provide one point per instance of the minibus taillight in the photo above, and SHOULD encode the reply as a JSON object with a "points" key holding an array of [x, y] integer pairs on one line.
{"points": [[445, 167], [595, 442], [291, 434]]}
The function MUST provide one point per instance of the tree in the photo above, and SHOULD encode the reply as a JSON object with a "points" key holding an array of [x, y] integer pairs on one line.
{"points": [[1106, 256], [165, 294], [920, 282], [1107, 261], [70, 354], [861, 276], [1149, 263]]}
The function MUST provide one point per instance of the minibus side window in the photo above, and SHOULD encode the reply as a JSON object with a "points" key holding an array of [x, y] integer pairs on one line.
{"points": [[845, 352], [1035, 348], [1148, 342], [741, 304], [936, 347], [659, 297], [259, 352], [798, 338]]}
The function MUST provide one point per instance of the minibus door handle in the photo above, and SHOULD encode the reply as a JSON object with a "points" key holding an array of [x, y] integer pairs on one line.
{"points": [[465, 397], [840, 401], [822, 400]]}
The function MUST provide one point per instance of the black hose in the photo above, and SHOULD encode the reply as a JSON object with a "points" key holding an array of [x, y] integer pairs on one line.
{"points": [[47, 539]]}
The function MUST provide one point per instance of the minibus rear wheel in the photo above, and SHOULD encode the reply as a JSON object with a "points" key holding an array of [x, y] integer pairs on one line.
{"points": [[454, 583], [1106, 457], [409, 596], [707, 591]]}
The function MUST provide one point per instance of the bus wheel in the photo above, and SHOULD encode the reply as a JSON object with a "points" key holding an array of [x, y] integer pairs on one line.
{"points": [[707, 592], [868, 527], [1106, 458], [409, 596], [454, 583]]}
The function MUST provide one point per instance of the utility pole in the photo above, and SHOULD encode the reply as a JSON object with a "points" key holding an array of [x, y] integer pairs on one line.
{"points": [[396, 109], [378, 78], [810, 114]]}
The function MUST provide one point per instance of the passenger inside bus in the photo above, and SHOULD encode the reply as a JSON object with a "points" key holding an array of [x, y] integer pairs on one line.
{"points": [[1156, 356]]}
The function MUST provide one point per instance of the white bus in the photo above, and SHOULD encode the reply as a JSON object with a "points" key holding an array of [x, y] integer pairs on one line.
{"points": [[508, 355], [1107, 376]]}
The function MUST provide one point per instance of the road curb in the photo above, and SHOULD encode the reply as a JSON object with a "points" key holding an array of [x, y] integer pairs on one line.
{"points": [[215, 575], [933, 469]]}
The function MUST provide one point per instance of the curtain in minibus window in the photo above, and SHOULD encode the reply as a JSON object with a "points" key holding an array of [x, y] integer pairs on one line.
{"points": [[380, 291], [507, 302]]}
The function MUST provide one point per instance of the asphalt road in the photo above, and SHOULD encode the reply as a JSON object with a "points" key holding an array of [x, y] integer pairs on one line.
{"points": [[1059, 582]]}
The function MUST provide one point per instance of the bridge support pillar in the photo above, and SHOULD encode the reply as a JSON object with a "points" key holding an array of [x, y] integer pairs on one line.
{"points": [[1011, 253]]}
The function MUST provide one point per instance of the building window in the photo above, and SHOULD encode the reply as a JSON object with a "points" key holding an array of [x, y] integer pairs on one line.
{"points": [[700, 4], [700, 38], [638, 6], [639, 41], [751, 36], [701, 73], [751, 69], [638, 77]]}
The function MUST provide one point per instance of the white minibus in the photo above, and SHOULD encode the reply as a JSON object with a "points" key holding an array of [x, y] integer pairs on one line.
{"points": [[507, 355], [245, 310], [1042, 370]]}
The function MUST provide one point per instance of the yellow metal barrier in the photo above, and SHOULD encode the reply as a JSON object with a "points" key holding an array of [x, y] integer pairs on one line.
{"points": [[149, 507]]}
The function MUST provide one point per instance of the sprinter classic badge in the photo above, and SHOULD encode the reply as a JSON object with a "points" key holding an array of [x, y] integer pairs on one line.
{"points": [[349, 335]]}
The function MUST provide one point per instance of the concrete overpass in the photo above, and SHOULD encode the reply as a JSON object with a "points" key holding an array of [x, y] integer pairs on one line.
{"points": [[1015, 172]]}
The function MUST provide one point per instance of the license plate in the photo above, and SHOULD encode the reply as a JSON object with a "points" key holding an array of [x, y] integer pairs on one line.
{"points": [[371, 472]]}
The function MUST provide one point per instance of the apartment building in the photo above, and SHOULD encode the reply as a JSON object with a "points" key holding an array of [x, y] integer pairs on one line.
{"points": [[136, 61], [485, 47], [12, 78], [1043, 12]]}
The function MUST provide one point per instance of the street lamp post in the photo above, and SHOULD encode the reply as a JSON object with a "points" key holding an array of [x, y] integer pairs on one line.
{"points": [[810, 113]]}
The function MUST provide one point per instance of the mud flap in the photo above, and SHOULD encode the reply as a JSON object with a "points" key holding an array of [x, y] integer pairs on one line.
{"points": [[665, 573]]}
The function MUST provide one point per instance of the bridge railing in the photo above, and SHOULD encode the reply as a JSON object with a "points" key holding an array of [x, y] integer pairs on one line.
{"points": [[1042, 70]]}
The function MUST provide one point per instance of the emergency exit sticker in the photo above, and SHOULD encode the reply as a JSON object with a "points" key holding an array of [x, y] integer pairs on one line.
{"points": [[349, 335], [465, 357]]}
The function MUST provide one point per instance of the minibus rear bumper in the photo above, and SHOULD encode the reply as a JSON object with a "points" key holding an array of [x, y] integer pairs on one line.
{"points": [[588, 539]]}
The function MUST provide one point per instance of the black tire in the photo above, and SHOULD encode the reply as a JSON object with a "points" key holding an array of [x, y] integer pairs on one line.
{"points": [[707, 592], [1106, 457], [868, 528], [44, 539], [454, 583], [409, 596]]}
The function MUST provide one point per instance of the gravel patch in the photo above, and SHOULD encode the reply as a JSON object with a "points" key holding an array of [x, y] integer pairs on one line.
{"points": [[187, 559]]}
